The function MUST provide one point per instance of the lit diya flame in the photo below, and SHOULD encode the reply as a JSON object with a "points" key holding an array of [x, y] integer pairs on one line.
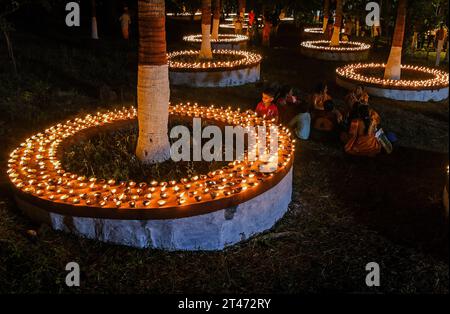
{"points": [[324, 45], [223, 38], [34, 168], [243, 58], [314, 30], [439, 79]]}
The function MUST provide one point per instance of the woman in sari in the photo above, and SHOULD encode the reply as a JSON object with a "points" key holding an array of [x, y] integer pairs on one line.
{"points": [[361, 140]]}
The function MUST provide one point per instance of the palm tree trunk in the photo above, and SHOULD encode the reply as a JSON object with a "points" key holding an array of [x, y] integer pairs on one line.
{"points": [[337, 25], [205, 50], [153, 91], [216, 20], [326, 15], [393, 66], [94, 33]]}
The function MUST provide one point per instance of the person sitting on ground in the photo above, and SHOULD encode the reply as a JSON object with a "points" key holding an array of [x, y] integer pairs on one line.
{"points": [[266, 107], [356, 95], [327, 120], [301, 121], [361, 139], [320, 96], [287, 103], [352, 112]]}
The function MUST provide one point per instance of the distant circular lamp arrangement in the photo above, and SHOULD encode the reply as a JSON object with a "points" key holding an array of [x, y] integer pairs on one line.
{"points": [[232, 27], [186, 16], [225, 41], [346, 51], [227, 68], [417, 83], [204, 212], [310, 33], [313, 30]]}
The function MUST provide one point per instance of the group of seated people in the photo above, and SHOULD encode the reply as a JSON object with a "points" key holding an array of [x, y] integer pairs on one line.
{"points": [[357, 125]]}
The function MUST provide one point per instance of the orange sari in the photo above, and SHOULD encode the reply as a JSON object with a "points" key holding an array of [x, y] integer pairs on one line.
{"points": [[359, 143]]}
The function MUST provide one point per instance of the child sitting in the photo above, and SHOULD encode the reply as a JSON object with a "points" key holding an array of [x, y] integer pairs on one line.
{"points": [[288, 104], [266, 108]]}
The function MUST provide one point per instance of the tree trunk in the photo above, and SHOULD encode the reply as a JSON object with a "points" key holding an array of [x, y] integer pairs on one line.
{"points": [[205, 51], [326, 15], [358, 27], [337, 25], [153, 91], [393, 66], [94, 33], [216, 20]]}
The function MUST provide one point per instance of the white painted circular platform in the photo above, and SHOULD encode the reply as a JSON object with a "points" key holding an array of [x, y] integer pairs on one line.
{"points": [[212, 231], [225, 41], [347, 51], [422, 95], [430, 85], [222, 78], [335, 56]]}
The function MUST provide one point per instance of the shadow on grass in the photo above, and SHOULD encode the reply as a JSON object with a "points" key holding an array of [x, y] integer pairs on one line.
{"points": [[398, 195]]}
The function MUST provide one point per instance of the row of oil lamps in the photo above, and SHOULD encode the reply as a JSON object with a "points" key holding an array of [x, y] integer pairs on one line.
{"points": [[350, 46], [245, 58], [352, 71], [34, 167], [223, 38]]}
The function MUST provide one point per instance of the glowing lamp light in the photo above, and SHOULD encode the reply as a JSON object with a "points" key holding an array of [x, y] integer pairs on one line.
{"points": [[313, 30], [34, 167], [232, 26], [242, 59], [324, 45], [223, 38], [438, 78]]}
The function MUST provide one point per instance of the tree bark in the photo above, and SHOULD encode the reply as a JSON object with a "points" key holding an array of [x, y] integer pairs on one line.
{"points": [[393, 66], [337, 25], [216, 20], [153, 91], [205, 50], [326, 15], [94, 33]]}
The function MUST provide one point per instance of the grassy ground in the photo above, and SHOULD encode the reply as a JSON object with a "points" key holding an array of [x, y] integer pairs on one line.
{"points": [[345, 212]]}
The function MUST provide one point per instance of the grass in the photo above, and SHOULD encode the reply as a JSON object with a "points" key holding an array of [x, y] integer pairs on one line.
{"points": [[345, 213], [111, 155]]}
